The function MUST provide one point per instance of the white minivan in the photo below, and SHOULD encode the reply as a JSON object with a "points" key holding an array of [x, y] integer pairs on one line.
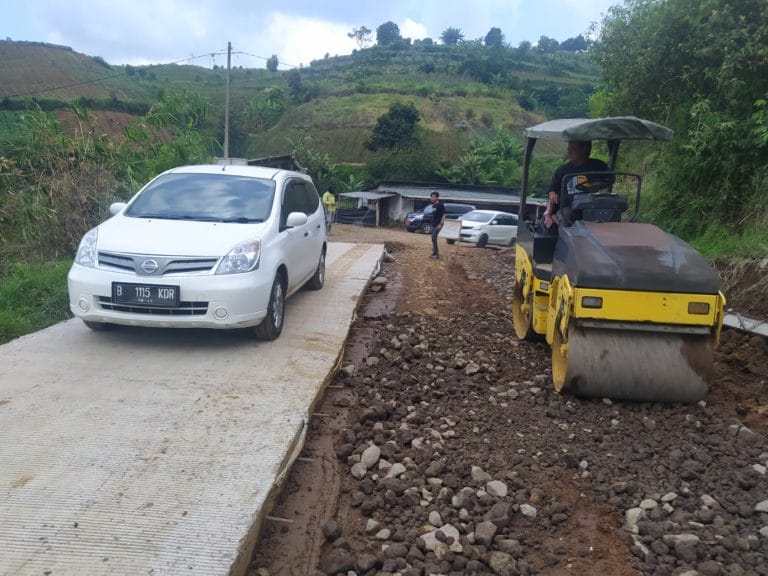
{"points": [[483, 227], [207, 246]]}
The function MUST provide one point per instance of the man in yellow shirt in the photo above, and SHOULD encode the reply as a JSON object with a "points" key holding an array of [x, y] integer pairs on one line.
{"points": [[329, 203]]}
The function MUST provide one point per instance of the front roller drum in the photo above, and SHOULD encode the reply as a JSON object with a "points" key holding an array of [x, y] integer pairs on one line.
{"points": [[632, 365]]}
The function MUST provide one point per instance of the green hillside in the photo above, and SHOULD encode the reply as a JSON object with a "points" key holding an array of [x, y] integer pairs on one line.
{"points": [[461, 91]]}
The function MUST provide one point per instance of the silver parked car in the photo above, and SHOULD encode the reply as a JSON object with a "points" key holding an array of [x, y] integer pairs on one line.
{"points": [[206, 247], [483, 227]]}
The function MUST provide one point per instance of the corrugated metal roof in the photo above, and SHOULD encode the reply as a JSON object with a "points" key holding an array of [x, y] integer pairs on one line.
{"points": [[484, 194], [369, 195]]}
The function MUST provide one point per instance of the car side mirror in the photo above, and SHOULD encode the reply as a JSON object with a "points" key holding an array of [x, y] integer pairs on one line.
{"points": [[117, 207], [296, 219]]}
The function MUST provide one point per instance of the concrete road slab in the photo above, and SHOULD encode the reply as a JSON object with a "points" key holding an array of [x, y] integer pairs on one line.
{"points": [[138, 451]]}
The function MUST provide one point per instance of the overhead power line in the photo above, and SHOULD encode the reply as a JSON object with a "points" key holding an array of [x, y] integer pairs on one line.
{"points": [[265, 59], [111, 76]]}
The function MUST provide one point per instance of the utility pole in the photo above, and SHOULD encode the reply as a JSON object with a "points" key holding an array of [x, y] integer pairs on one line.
{"points": [[226, 102]]}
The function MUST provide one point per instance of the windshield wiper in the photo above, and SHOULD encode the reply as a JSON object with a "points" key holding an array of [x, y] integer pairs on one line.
{"points": [[162, 216], [241, 220], [238, 219]]}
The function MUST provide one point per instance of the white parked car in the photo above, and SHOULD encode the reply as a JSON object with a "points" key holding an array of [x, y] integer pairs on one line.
{"points": [[205, 247], [483, 227]]}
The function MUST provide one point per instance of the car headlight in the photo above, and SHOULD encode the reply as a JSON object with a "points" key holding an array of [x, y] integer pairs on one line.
{"points": [[242, 258], [86, 252]]}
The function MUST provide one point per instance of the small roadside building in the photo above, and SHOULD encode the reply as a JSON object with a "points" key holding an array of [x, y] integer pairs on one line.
{"points": [[393, 201]]}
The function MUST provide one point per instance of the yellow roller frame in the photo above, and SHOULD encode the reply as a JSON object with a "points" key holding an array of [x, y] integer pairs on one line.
{"points": [[652, 307]]}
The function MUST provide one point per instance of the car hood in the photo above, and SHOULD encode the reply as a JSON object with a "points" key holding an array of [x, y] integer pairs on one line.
{"points": [[173, 237], [470, 224]]}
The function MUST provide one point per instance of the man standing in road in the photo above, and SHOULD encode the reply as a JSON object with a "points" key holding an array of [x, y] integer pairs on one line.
{"points": [[438, 219], [329, 203]]}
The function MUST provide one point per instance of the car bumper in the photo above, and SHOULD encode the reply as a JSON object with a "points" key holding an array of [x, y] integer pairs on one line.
{"points": [[469, 236], [206, 301]]}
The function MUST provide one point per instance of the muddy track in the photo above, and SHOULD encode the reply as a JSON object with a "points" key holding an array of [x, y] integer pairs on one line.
{"points": [[440, 449]]}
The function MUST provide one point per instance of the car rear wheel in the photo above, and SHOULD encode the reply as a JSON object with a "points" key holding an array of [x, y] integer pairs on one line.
{"points": [[426, 228], [318, 279], [482, 242], [271, 327]]}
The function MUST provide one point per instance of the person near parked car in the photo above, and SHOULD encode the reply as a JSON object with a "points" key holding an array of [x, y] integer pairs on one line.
{"points": [[329, 203], [578, 163], [438, 219]]}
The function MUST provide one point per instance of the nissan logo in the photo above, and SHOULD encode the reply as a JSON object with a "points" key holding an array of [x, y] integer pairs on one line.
{"points": [[149, 266]]}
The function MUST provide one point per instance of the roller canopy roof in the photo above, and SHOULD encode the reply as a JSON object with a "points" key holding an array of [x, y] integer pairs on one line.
{"points": [[615, 128]]}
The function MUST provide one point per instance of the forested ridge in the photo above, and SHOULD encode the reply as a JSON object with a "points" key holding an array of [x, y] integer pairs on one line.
{"points": [[395, 109]]}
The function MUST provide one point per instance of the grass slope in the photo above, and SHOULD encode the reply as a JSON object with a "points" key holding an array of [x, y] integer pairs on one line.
{"points": [[348, 92]]}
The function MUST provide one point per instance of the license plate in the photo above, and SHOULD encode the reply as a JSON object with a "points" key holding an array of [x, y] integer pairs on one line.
{"points": [[145, 294]]}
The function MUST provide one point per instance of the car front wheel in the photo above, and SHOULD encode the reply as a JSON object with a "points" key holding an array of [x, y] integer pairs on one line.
{"points": [[271, 327], [482, 242], [426, 228]]}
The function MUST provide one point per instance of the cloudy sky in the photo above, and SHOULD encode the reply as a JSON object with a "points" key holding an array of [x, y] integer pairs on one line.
{"points": [[297, 31]]}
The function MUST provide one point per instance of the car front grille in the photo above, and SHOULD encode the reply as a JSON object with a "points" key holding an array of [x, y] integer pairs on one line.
{"points": [[162, 265], [183, 309]]}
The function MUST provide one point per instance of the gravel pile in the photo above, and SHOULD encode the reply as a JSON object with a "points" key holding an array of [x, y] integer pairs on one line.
{"points": [[461, 460]]}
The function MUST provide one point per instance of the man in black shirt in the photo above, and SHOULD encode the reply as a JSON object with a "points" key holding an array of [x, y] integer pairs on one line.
{"points": [[578, 163], [438, 218]]}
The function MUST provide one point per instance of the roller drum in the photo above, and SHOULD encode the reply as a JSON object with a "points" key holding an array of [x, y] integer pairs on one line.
{"points": [[637, 365]]}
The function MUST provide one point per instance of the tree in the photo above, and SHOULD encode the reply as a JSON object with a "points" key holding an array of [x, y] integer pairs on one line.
{"points": [[451, 36], [548, 45], [396, 129], [494, 38], [388, 34], [266, 112], [574, 44], [362, 36], [488, 161], [296, 86], [701, 68], [272, 63]]}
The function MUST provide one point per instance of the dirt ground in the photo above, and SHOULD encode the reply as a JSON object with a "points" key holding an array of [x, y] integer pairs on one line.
{"points": [[440, 447]]}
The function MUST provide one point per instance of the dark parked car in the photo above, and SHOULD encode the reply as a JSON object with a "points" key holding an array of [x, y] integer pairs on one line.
{"points": [[422, 220]]}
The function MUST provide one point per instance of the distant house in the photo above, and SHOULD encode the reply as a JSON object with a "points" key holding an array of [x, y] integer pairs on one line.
{"points": [[392, 201]]}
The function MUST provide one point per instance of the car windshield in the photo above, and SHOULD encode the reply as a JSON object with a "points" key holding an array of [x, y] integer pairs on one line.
{"points": [[428, 209], [477, 216], [205, 197]]}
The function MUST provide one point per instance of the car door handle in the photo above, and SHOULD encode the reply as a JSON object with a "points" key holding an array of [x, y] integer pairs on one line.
{"points": [[306, 233]]}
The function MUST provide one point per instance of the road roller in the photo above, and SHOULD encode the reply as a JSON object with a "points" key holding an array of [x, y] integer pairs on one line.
{"points": [[629, 311]]}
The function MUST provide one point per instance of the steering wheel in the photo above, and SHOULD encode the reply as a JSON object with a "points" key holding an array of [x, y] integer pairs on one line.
{"points": [[592, 185]]}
